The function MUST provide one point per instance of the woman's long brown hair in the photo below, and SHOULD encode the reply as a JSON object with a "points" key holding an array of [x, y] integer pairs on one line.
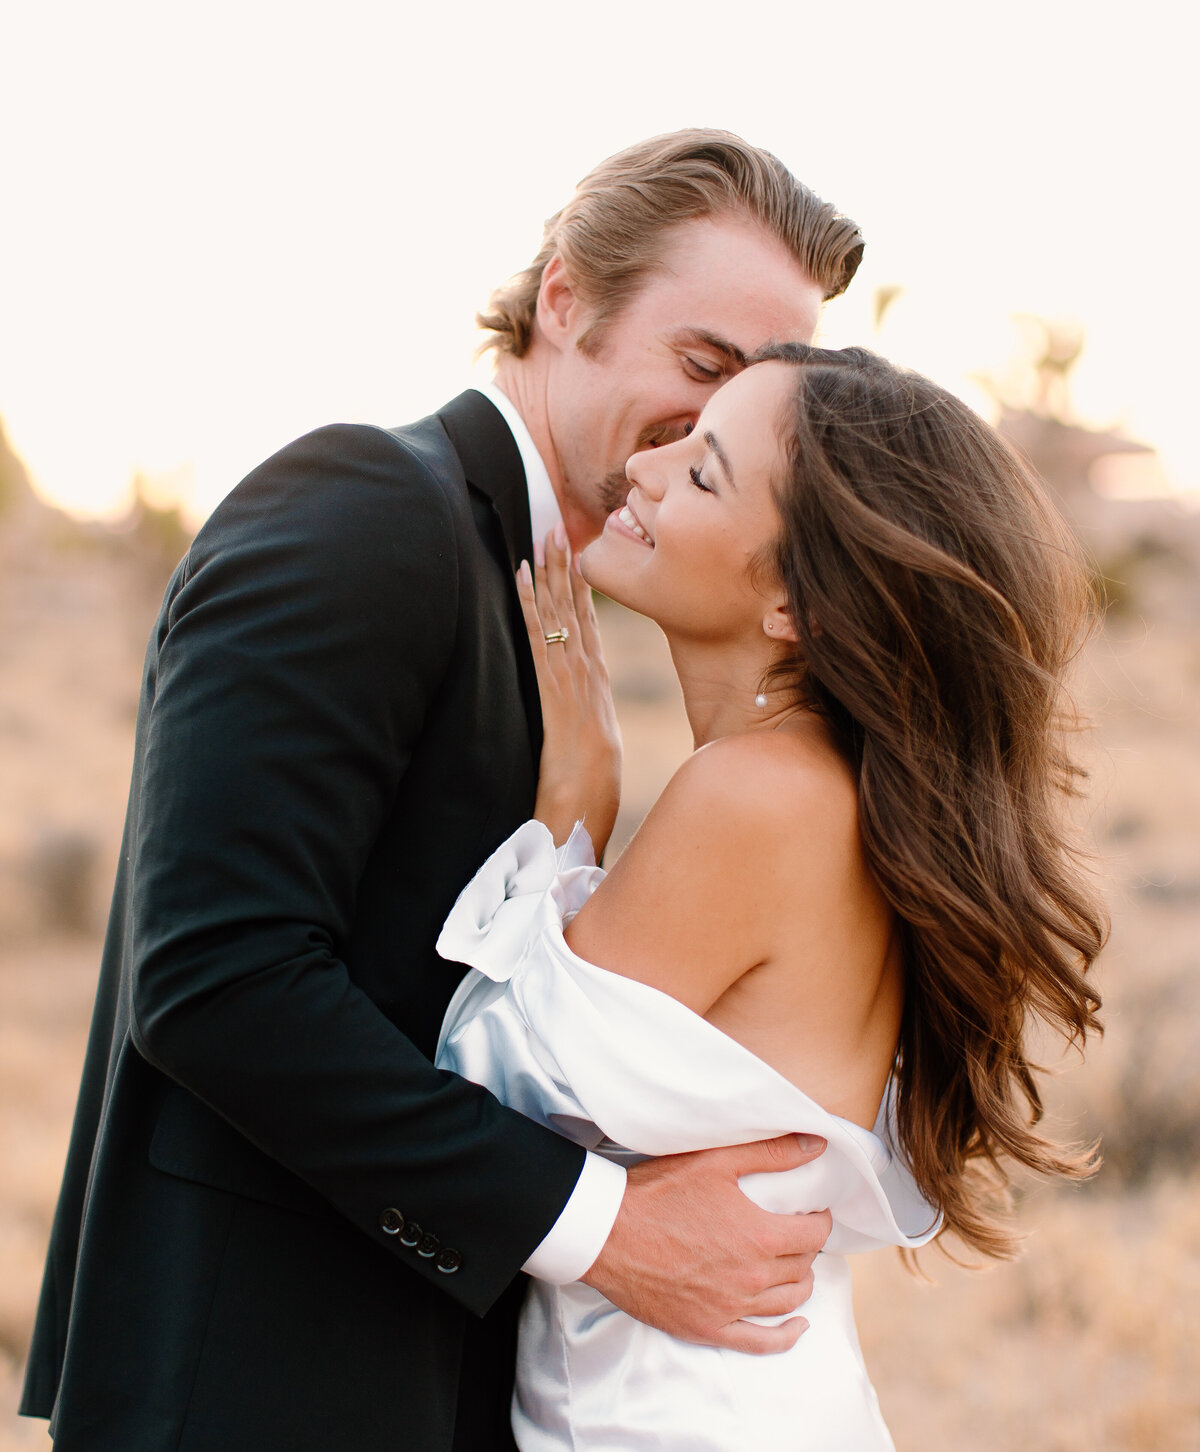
{"points": [[939, 599]]}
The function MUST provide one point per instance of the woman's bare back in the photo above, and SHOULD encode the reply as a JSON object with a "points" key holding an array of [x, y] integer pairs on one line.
{"points": [[746, 896]]}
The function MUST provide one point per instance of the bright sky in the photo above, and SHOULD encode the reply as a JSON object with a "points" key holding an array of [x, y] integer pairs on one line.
{"points": [[225, 224]]}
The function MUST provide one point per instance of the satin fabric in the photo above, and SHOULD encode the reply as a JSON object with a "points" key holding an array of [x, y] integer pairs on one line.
{"points": [[628, 1071]]}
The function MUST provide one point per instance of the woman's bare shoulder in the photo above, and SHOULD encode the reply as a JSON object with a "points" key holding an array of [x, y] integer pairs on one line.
{"points": [[749, 835], [767, 784]]}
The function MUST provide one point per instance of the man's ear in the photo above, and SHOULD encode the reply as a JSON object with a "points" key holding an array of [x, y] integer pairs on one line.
{"points": [[558, 308], [777, 623]]}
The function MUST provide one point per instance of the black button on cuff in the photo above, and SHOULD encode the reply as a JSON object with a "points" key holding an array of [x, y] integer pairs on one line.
{"points": [[429, 1246], [391, 1222], [411, 1234], [448, 1261]]}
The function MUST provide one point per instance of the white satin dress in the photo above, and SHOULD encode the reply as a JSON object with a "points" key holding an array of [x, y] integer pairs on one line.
{"points": [[628, 1071]]}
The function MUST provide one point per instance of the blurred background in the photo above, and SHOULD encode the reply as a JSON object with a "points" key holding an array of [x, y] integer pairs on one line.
{"points": [[225, 225]]}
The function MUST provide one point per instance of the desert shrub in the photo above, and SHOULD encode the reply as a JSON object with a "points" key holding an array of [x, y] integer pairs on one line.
{"points": [[60, 872]]}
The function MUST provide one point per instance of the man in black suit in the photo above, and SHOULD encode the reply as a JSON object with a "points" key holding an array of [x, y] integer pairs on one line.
{"points": [[281, 1228]]}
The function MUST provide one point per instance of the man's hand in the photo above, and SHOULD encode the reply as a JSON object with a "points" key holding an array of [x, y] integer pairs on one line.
{"points": [[690, 1254]]}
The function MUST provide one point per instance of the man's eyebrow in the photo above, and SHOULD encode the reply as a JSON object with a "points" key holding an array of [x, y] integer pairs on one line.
{"points": [[711, 440], [728, 350]]}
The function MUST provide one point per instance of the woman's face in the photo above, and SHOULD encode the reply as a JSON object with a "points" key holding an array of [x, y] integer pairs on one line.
{"points": [[699, 512]]}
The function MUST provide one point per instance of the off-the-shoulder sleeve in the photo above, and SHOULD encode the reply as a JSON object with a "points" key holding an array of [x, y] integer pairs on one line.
{"points": [[618, 1065], [526, 885]]}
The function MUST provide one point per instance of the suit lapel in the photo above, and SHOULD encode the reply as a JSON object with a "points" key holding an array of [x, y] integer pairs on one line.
{"points": [[492, 465]]}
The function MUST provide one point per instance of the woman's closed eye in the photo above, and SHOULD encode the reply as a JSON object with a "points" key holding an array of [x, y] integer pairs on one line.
{"points": [[694, 475]]}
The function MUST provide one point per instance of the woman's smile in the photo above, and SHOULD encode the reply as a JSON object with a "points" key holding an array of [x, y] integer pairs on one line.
{"points": [[701, 535], [629, 523]]}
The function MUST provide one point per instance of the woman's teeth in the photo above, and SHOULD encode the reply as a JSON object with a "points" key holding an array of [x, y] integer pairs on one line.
{"points": [[627, 519]]}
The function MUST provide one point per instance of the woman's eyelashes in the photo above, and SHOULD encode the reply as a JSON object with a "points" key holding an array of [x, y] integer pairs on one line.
{"points": [[694, 475]]}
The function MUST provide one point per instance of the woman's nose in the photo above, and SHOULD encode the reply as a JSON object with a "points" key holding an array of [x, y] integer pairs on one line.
{"points": [[645, 471]]}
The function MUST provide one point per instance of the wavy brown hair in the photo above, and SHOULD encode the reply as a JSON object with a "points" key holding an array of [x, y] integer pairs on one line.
{"points": [[939, 599], [616, 226]]}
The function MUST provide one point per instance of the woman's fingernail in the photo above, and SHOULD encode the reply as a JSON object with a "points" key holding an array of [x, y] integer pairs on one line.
{"points": [[524, 572], [560, 535], [810, 1142]]}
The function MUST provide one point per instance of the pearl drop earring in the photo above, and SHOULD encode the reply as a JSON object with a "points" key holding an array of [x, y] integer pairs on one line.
{"points": [[760, 700]]}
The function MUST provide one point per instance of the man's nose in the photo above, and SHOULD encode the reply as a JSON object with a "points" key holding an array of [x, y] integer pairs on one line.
{"points": [[678, 429], [668, 431]]}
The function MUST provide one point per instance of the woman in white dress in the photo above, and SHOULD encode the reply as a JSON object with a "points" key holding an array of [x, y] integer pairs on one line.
{"points": [[845, 908]]}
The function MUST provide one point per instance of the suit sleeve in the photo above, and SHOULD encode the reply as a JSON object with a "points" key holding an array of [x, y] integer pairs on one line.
{"points": [[313, 624]]}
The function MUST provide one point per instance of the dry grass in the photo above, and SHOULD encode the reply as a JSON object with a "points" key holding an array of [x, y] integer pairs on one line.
{"points": [[1088, 1341], [46, 992]]}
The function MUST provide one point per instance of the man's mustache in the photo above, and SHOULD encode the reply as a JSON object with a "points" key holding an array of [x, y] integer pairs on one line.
{"points": [[658, 434], [613, 491]]}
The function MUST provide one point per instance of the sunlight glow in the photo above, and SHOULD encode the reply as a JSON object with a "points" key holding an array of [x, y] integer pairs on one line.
{"points": [[228, 226]]}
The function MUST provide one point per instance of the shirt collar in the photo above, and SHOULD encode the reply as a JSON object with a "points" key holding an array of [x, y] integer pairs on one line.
{"points": [[544, 512]]}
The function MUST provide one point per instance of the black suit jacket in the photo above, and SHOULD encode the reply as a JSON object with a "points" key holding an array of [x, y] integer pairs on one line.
{"points": [[279, 1222]]}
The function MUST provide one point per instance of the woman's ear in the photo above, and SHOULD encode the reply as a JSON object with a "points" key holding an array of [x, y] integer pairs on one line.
{"points": [[777, 623], [557, 305]]}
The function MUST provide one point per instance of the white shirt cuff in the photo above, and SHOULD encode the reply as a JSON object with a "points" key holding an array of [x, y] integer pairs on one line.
{"points": [[577, 1237]]}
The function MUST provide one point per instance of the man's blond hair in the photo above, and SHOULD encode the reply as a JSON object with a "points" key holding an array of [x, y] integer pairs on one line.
{"points": [[614, 229]]}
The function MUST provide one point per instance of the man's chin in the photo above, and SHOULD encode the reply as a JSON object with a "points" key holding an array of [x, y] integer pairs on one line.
{"points": [[612, 491], [603, 498]]}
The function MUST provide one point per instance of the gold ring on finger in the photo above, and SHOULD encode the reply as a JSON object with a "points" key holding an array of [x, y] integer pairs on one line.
{"points": [[557, 637]]}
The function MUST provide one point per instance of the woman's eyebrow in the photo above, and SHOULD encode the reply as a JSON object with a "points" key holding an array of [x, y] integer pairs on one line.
{"points": [[711, 440]]}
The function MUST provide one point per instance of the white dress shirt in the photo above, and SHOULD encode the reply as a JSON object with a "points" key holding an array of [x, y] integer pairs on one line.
{"points": [[544, 512], [577, 1237]]}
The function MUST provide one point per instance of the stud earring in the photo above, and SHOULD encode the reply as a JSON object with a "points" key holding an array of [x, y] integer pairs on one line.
{"points": [[760, 700]]}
